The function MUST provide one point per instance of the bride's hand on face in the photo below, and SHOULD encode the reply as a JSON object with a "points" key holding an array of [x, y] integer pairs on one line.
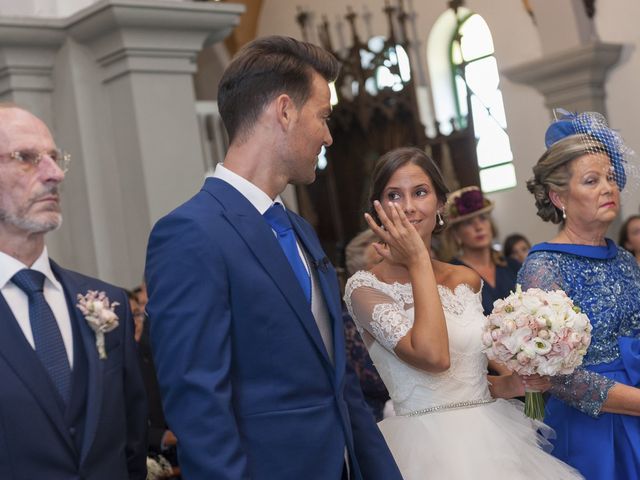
{"points": [[403, 242]]}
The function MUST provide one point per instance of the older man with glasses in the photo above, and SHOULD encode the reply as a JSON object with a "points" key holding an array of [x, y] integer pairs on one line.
{"points": [[72, 402]]}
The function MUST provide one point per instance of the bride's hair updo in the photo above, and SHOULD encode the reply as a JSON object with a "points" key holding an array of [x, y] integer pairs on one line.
{"points": [[553, 172], [395, 159]]}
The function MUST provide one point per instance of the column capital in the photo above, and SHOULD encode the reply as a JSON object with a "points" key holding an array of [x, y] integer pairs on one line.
{"points": [[27, 53], [151, 36], [573, 79]]}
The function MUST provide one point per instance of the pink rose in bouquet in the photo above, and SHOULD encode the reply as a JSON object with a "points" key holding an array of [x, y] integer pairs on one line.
{"points": [[537, 332]]}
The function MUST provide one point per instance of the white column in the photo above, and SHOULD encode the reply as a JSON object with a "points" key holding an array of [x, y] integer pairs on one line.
{"points": [[119, 94]]}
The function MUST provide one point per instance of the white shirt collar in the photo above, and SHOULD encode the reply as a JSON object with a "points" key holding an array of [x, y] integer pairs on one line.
{"points": [[259, 199], [9, 266]]}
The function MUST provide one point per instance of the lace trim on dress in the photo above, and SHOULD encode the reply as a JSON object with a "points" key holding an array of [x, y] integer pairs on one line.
{"points": [[456, 301], [400, 292], [389, 324]]}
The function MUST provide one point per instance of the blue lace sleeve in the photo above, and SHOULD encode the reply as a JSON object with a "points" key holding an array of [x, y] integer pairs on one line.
{"points": [[540, 270], [584, 390]]}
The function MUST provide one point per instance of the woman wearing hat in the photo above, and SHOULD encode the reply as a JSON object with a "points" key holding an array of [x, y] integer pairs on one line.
{"points": [[471, 232], [577, 184]]}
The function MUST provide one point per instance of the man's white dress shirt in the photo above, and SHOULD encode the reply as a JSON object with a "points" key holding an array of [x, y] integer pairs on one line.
{"points": [[259, 199], [19, 303]]}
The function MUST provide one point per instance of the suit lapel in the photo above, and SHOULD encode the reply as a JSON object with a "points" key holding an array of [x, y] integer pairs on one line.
{"points": [[328, 283], [72, 287], [260, 239], [22, 359], [257, 234]]}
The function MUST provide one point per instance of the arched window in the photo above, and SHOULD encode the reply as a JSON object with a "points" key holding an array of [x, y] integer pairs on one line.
{"points": [[464, 71]]}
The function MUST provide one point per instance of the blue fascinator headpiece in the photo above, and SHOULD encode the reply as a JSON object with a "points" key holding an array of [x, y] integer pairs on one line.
{"points": [[596, 134]]}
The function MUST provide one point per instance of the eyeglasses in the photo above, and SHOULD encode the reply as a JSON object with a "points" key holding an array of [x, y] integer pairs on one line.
{"points": [[33, 158]]}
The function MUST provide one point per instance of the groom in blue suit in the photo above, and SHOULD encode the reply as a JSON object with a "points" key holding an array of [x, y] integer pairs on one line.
{"points": [[66, 412], [244, 306]]}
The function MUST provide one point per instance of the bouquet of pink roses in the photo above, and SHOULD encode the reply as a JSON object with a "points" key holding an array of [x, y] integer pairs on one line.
{"points": [[537, 332]]}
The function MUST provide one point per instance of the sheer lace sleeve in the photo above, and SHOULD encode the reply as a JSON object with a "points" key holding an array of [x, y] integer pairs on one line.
{"points": [[377, 311], [587, 391], [584, 390], [542, 271]]}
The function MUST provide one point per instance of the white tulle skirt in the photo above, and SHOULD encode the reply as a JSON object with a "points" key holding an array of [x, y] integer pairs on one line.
{"points": [[491, 441]]}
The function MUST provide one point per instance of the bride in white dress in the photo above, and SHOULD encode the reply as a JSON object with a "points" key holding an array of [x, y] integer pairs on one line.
{"points": [[421, 320]]}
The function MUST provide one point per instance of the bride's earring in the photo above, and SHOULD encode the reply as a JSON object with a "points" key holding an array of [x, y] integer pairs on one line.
{"points": [[564, 213], [440, 219]]}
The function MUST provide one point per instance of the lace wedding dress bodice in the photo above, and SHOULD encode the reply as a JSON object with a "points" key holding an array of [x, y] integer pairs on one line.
{"points": [[384, 314]]}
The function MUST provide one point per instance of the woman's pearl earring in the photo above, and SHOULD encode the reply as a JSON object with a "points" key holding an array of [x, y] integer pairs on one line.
{"points": [[440, 219], [564, 213]]}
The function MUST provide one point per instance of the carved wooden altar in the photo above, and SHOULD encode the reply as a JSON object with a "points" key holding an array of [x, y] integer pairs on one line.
{"points": [[368, 121]]}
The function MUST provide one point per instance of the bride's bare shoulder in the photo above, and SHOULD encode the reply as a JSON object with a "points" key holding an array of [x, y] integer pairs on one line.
{"points": [[454, 275]]}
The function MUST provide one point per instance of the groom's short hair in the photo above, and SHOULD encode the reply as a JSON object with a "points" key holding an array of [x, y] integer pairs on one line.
{"points": [[264, 69]]}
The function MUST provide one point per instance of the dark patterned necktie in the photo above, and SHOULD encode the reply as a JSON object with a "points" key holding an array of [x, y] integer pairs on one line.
{"points": [[46, 334], [277, 218]]}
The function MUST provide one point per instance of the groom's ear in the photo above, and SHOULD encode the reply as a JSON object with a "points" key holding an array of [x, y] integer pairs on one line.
{"points": [[285, 111]]}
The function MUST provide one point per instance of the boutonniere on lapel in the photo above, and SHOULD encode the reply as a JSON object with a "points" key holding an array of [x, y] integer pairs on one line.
{"points": [[99, 313], [322, 264]]}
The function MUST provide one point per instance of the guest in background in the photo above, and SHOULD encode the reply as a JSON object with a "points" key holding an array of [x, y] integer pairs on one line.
{"points": [[162, 442], [471, 232], [137, 313], [361, 255], [516, 246], [629, 237]]}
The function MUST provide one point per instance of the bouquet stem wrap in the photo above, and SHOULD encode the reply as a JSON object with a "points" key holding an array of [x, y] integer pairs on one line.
{"points": [[534, 405]]}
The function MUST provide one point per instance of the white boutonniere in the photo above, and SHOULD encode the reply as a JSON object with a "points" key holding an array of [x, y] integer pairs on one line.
{"points": [[158, 468], [99, 314]]}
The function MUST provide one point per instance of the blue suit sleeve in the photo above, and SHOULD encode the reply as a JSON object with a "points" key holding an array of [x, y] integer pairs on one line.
{"points": [[190, 325]]}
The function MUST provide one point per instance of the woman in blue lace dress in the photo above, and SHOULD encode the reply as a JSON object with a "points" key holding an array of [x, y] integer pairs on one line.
{"points": [[577, 183]]}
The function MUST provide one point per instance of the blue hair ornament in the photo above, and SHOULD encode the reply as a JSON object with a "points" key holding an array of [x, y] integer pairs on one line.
{"points": [[592, 126]]}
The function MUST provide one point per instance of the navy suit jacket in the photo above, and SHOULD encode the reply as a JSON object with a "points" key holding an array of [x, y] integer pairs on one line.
{"points": [[248, 387], [106, 437]]}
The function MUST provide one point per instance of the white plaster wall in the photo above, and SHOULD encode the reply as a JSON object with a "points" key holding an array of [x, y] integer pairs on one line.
{"points": [[615, 24], [27, 8], [42, 8], [47, 8], [516, 41]]}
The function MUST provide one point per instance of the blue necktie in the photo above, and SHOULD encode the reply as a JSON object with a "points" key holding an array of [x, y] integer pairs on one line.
{"points": [[277, 218], [46, 334]]}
